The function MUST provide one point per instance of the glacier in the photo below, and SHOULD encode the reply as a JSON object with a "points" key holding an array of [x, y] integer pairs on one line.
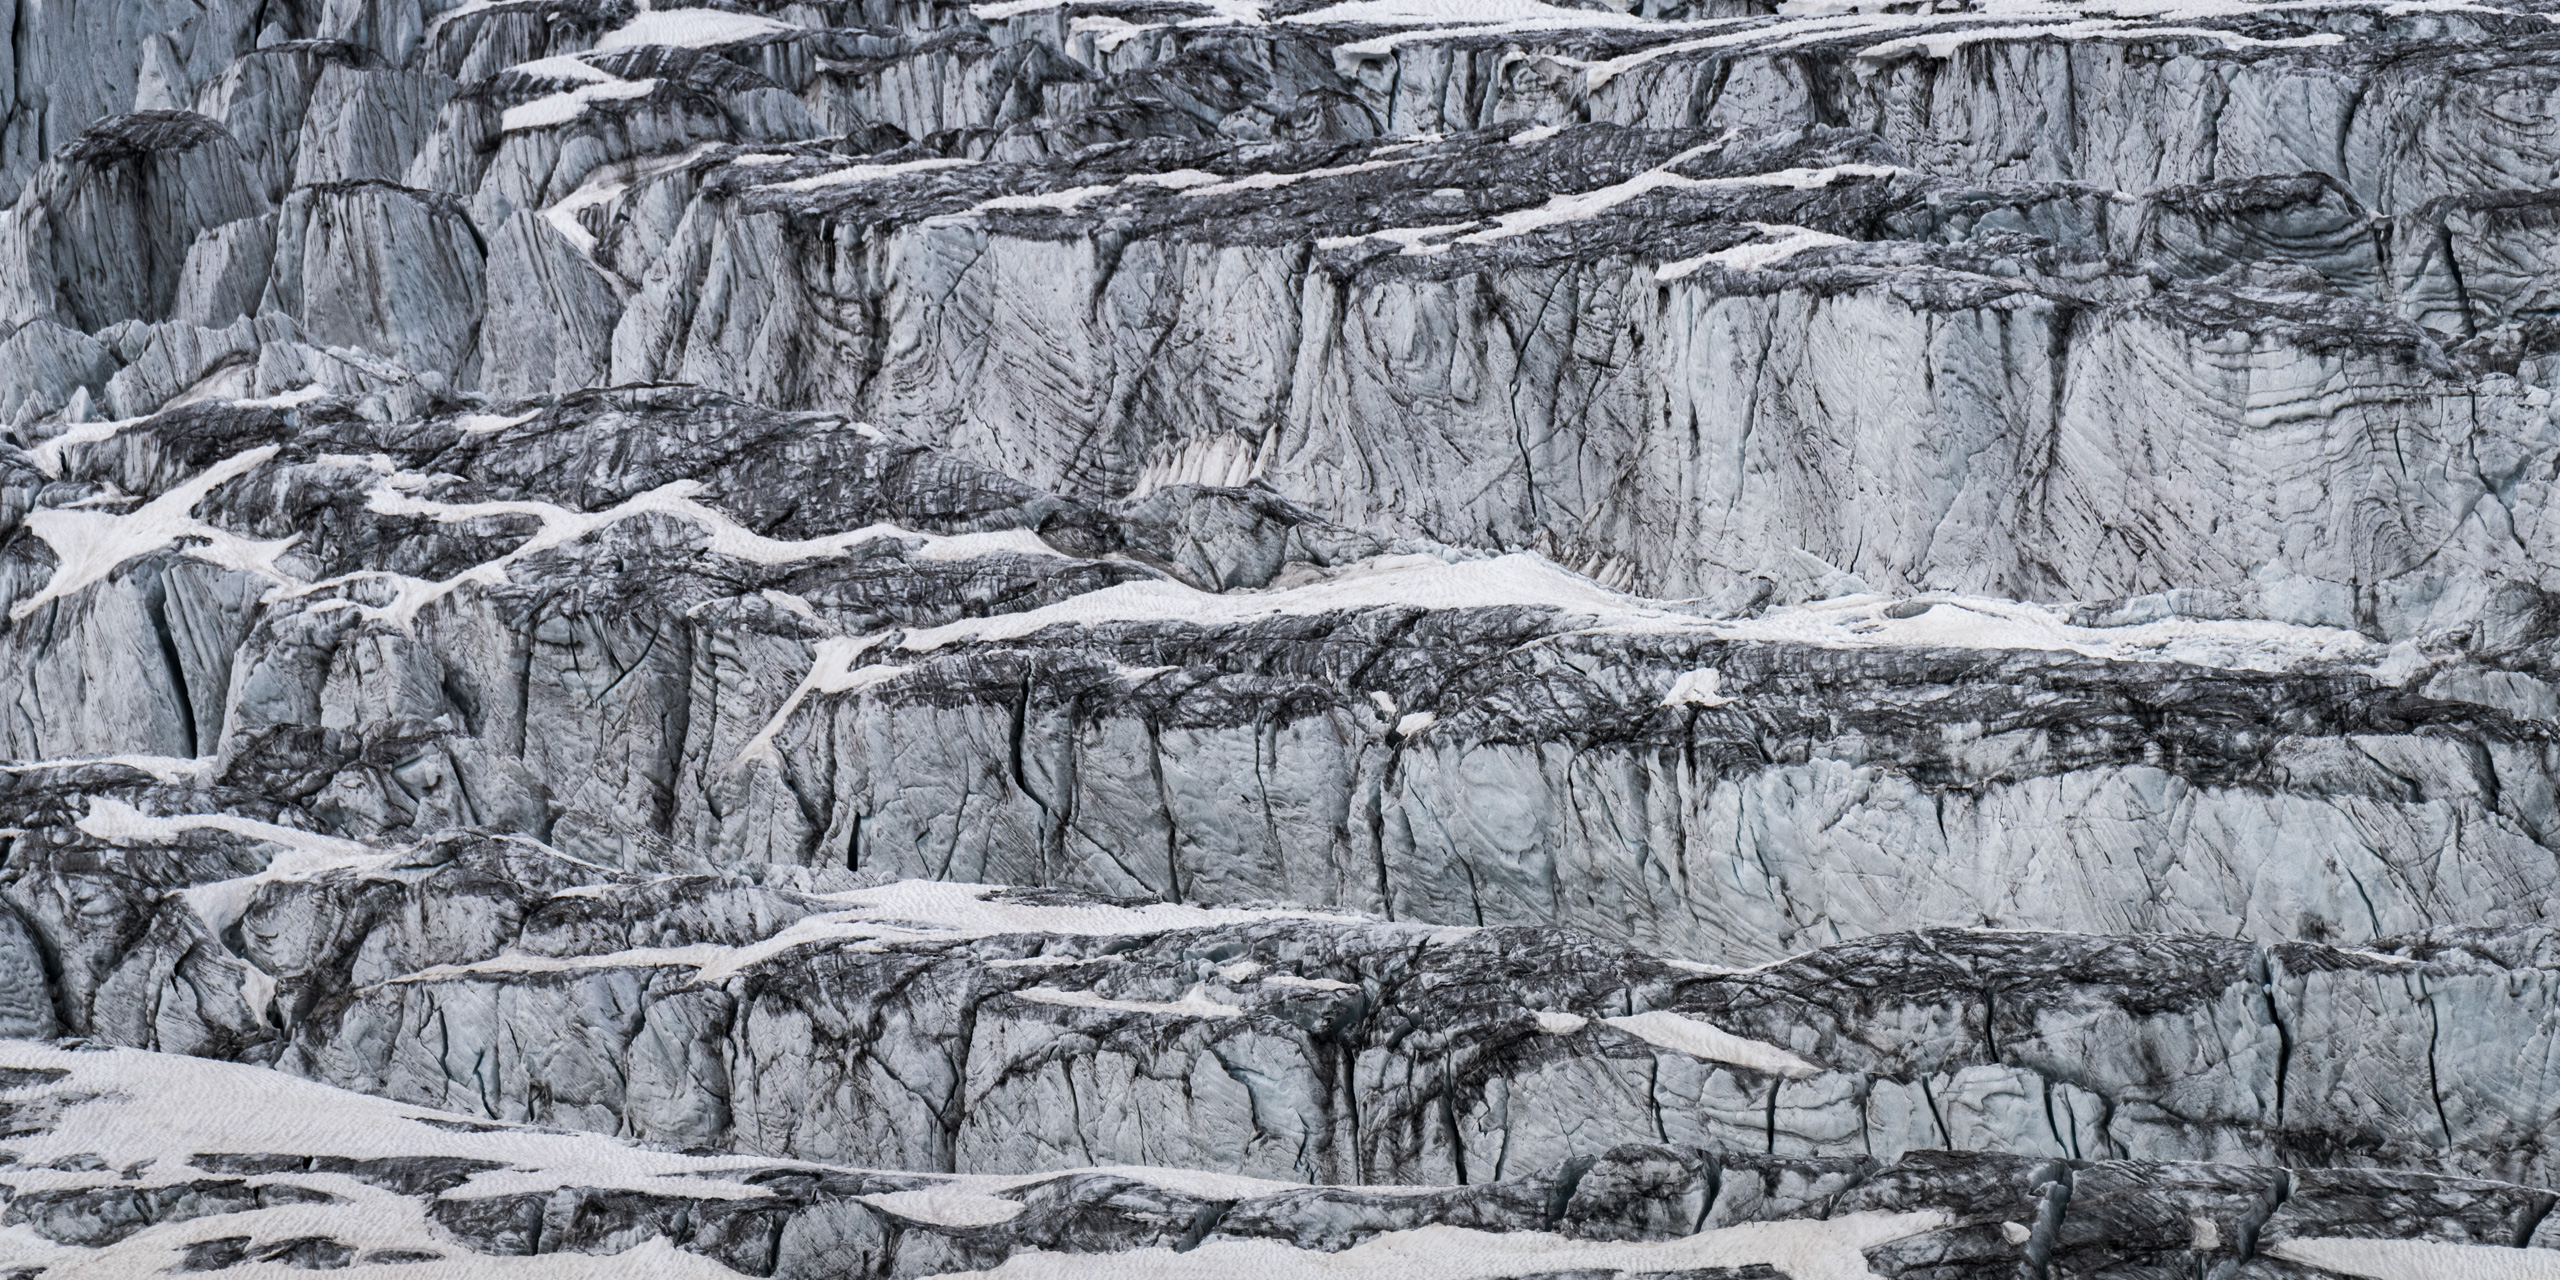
{"points": [[1585, 640]]}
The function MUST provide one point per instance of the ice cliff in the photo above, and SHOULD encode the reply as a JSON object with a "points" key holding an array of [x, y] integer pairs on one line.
{"points": [[1385, 640]]}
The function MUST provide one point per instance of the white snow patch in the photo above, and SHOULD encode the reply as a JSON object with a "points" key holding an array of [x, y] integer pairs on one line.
{"points": [[1463, 20], [910, 910], [47, 454], [725, 536], [165, 1108], [1748, 30], [230, 382], [1239, 12], [1246, 12], [1194, 1003], [692, 29], [1412, 241], [963, 911], [702, 957], [463, 10], [563, 107], [1385, 13], [788, 603], [1057, 201], [1271, 181], [1415, 722], [113, 820], [1110, 33], [566, 66], [1940, 34], [1418, 580], [588, 891], [872, 676], [1790, 241], [168, 771], [1538, 134], [408, 595], [1969, 622], [2401, 663], [481, 424], [1176, 179], [89, 545], [866, 173], [304, 853], [950, 1205], [1712, 1043], [1347, 57], [293, 399], [1205, 1185], [1309, 984], [368, 1219], [1832, 1249], [1577, 206], [832, 669], [135, 1108], [2419, 1259], [1560, 1024], [1944, 44], [563, 216], [1191, 1182], [609, 182], [1697, 688], [1529, 581]]}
